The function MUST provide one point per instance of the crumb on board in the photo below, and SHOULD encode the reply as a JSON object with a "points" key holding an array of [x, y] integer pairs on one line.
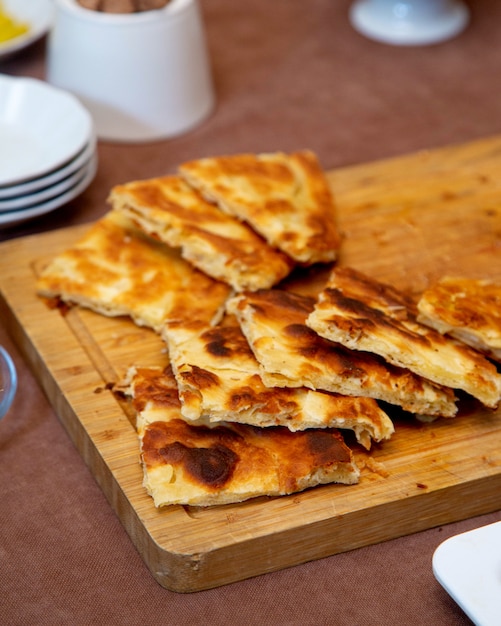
{"points": [[376, 467]]}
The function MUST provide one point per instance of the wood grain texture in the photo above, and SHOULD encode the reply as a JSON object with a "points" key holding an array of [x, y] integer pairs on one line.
{"points": [[407, 221]]}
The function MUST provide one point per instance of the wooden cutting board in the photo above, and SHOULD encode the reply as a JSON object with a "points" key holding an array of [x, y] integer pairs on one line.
{"points": [[407, 221]]}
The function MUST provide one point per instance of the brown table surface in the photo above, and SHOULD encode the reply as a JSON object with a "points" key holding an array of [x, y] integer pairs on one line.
{"points": [[289, 74]]}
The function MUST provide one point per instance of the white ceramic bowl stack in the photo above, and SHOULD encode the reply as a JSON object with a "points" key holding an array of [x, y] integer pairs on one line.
{"points": [[47, 149]]}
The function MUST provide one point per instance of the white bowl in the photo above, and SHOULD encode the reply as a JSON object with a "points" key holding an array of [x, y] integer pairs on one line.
{"points": [[13, 192], [41, 127], [143, 76], [9, 219], [48, 193], [38, 14]]}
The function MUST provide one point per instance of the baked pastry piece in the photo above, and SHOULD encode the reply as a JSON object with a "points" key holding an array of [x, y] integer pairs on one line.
{"points": [[218, 244], [291, 354], [364, 314], [465, 308], [284, 197], [190, 464], [115, 269], [219, 380]]}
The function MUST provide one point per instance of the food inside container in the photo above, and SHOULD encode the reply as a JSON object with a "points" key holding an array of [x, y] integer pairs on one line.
{"points": [[123, 6]]}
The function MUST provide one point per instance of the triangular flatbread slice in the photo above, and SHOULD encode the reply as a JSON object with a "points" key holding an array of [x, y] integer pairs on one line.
{"points": [[198, 465], [219, 380], [220, 245], [291, 354], [468, 309], [284, 197], [115, 269], [364, 314]]}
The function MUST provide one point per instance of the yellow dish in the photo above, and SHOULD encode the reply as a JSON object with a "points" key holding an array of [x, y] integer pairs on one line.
{"points": [[10, 28]]}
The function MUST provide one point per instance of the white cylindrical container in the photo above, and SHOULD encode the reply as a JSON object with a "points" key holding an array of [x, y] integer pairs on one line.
{"points": [[143, 76]]}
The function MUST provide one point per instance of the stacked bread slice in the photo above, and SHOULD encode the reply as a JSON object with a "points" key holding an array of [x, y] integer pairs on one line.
{"points": [[261, 385]]}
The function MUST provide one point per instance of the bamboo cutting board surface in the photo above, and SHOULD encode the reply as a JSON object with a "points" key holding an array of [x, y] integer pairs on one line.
{"points": [[406, 221]]}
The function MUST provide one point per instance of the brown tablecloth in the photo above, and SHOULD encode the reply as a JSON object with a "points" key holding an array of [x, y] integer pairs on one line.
{"points": [[288, 74]]}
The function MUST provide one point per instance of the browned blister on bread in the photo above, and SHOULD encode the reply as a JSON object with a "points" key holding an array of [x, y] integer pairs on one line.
{"points": [[219, 380], [284, 197], [168, 209], [364, 314], [115, 269], [185, 463], [290, 354], [468, 309]]}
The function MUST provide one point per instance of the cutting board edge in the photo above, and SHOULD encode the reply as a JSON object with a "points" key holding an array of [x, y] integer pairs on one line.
{"points": [[195, 571], [289, 548]]}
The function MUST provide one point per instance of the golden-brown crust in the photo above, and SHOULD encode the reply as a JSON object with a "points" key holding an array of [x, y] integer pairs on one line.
{"points": [[209, 457], [291, 353], [210, 463], [116, 270], [187, 463], [284, 197], [219, 380], [363, 314], [218, 244], [465, 308], [156, 386]]}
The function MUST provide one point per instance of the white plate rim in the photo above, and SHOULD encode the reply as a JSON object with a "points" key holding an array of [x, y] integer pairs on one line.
{"points": [[40, 23], [15, 191], [33, 199], [12, 218], [467, 566], [83, 123]]}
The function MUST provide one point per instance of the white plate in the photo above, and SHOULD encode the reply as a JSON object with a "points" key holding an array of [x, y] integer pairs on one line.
{"points": [[468, 566], [16, 191], [13, 218], [33, 199], [41, 128], [38, 14]]}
